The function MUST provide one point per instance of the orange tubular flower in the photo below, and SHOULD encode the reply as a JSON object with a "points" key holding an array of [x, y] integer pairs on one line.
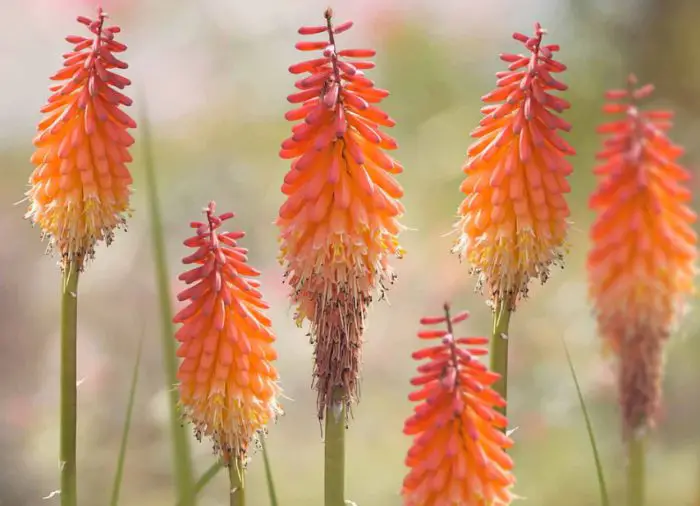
{"points": [[80, 188], [642, 262], [339, 224], [228, 383], [458, 454], [513, 222]]}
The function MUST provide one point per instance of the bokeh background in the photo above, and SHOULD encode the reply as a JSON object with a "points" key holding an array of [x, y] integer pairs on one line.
{"points": [[213, 75]]}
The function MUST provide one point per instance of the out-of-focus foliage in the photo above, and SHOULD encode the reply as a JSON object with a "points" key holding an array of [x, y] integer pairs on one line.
{"points": [[215, 75]]}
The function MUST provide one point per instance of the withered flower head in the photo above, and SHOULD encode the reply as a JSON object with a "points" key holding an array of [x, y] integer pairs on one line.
{"points": [[339, 224], [513, 221], [458, 454], [642, 262], [228, 383], [80, 188]]}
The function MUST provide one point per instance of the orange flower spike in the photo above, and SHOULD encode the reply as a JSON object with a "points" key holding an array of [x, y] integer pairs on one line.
{"points": [[458, 454], [228, 383], [513, 221], [642, 262], [80, 188], [339, 223]]}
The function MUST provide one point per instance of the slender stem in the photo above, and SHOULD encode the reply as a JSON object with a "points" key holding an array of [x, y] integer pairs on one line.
{"points": [[334, 473], [69, 379], [499, 349], [237, 482], [182, 456], [636, 470], [268, 473]]}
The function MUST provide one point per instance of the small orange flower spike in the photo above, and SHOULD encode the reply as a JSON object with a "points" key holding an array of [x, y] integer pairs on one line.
{"points": [[339, 224], [513, 221], [458, 454], [228, 383], [642, 262], [80, 188]]}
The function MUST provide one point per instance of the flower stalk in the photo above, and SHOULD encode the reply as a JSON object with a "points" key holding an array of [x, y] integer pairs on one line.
{"points": [[636, 470], [499, 351], [334, 457], [69, 386]]}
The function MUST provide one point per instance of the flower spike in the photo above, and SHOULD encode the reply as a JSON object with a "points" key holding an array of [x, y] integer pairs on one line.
{"points": [[513, 222], [228, 383], [458, 452], [80, 188], [339, 224], [642, 263]]}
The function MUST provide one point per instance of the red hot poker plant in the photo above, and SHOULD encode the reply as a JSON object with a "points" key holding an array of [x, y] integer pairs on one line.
{"points": [[513, 221], [339, 224], [80, 188], [228, 382], [642, 263], [458, 453]]}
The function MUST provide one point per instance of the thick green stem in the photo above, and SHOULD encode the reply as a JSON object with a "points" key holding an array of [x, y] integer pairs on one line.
{"points": [[182, 457], [69, 378], [236, 478], [334, 472], [499, 349], [636, 470]]}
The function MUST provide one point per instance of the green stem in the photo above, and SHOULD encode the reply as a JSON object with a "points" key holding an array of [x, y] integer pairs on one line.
{"points": [[334, 473], [499, 349], [69, 379], [237, 481], [268, 473], [182, 458], [636, 470]]}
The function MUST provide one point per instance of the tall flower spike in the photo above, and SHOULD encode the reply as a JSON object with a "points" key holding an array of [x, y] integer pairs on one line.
{"points": [[642, 262], [80, 188], [339, 224], [513, 221], [458, 453], [228, 383]]}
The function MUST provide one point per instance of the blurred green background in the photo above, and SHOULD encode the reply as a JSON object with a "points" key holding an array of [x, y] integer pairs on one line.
{"points": [[214, 76]]}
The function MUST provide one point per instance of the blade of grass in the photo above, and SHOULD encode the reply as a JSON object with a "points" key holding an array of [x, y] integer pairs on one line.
{"points": [[127, 426], [182, 456], [69, 384], [206, 477], [268, 474], [604, 500]]}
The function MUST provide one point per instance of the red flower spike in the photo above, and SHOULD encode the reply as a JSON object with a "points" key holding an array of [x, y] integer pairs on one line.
{"points": [[458, 452], [642, 263], [228, 383], [339, 224], [513, 221], [80, 188]]}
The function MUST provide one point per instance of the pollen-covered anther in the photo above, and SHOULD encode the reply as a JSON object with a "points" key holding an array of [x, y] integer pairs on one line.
{"points": [[228, 382], [513, 221], [79, 191], [340, 222], [458, 451]]}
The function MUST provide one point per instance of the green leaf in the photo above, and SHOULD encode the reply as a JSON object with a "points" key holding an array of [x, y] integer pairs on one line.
{"points": [[604, 500], [182, 457], [268, 474], [127, 425]]}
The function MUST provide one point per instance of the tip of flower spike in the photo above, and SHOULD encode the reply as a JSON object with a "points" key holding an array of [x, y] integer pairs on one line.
{"points": [[457, 432]]}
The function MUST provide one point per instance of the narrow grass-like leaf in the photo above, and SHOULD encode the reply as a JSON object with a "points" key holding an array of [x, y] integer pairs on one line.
{"points": [[208, 475], [182, 457], [268, 474], [604, 500], [127, 426]]}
